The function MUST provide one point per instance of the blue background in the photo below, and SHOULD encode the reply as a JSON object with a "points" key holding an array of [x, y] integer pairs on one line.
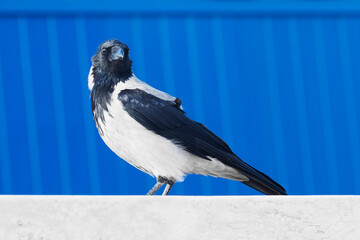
{"points": [[278, 81]]}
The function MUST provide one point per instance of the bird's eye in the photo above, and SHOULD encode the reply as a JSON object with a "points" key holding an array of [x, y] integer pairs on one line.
{"points": [[103, 50]]}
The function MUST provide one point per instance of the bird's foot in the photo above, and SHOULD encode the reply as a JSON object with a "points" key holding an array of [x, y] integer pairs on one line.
{"points": [[160, 181]]}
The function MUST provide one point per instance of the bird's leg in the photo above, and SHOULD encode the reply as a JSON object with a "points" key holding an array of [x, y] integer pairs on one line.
{"points": [[157, 186], [160, 181], [167, 189], [169, 184]]}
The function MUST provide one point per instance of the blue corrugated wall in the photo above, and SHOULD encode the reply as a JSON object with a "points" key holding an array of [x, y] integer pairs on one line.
{"points": [[279, 83]]}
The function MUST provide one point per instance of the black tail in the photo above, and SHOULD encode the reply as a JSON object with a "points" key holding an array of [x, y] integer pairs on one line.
{"points": [[261, 181], [208, 144], [270, 187], [257, 179]]}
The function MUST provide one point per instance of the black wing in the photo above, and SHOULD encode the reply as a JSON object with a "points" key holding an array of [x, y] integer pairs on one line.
{"points": [[168, 120]]}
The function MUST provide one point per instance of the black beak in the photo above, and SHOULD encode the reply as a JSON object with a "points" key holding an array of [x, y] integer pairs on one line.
{"points": [[116, 53]]}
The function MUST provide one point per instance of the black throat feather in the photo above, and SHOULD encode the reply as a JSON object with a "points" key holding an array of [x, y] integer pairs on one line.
{"points": [[100, 95]]}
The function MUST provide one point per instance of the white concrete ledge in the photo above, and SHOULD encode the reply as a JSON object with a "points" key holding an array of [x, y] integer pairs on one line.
{"points": [[177, 217]]}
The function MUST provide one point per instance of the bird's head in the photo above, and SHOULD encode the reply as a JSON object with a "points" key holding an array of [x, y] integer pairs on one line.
{"points": [[112, 57]]}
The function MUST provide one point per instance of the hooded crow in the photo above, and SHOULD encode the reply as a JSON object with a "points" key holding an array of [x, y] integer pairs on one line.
{"points": [[148, 128]]}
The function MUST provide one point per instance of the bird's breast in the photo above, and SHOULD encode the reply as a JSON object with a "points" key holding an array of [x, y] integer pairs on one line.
{"points": [[141, 147]]}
